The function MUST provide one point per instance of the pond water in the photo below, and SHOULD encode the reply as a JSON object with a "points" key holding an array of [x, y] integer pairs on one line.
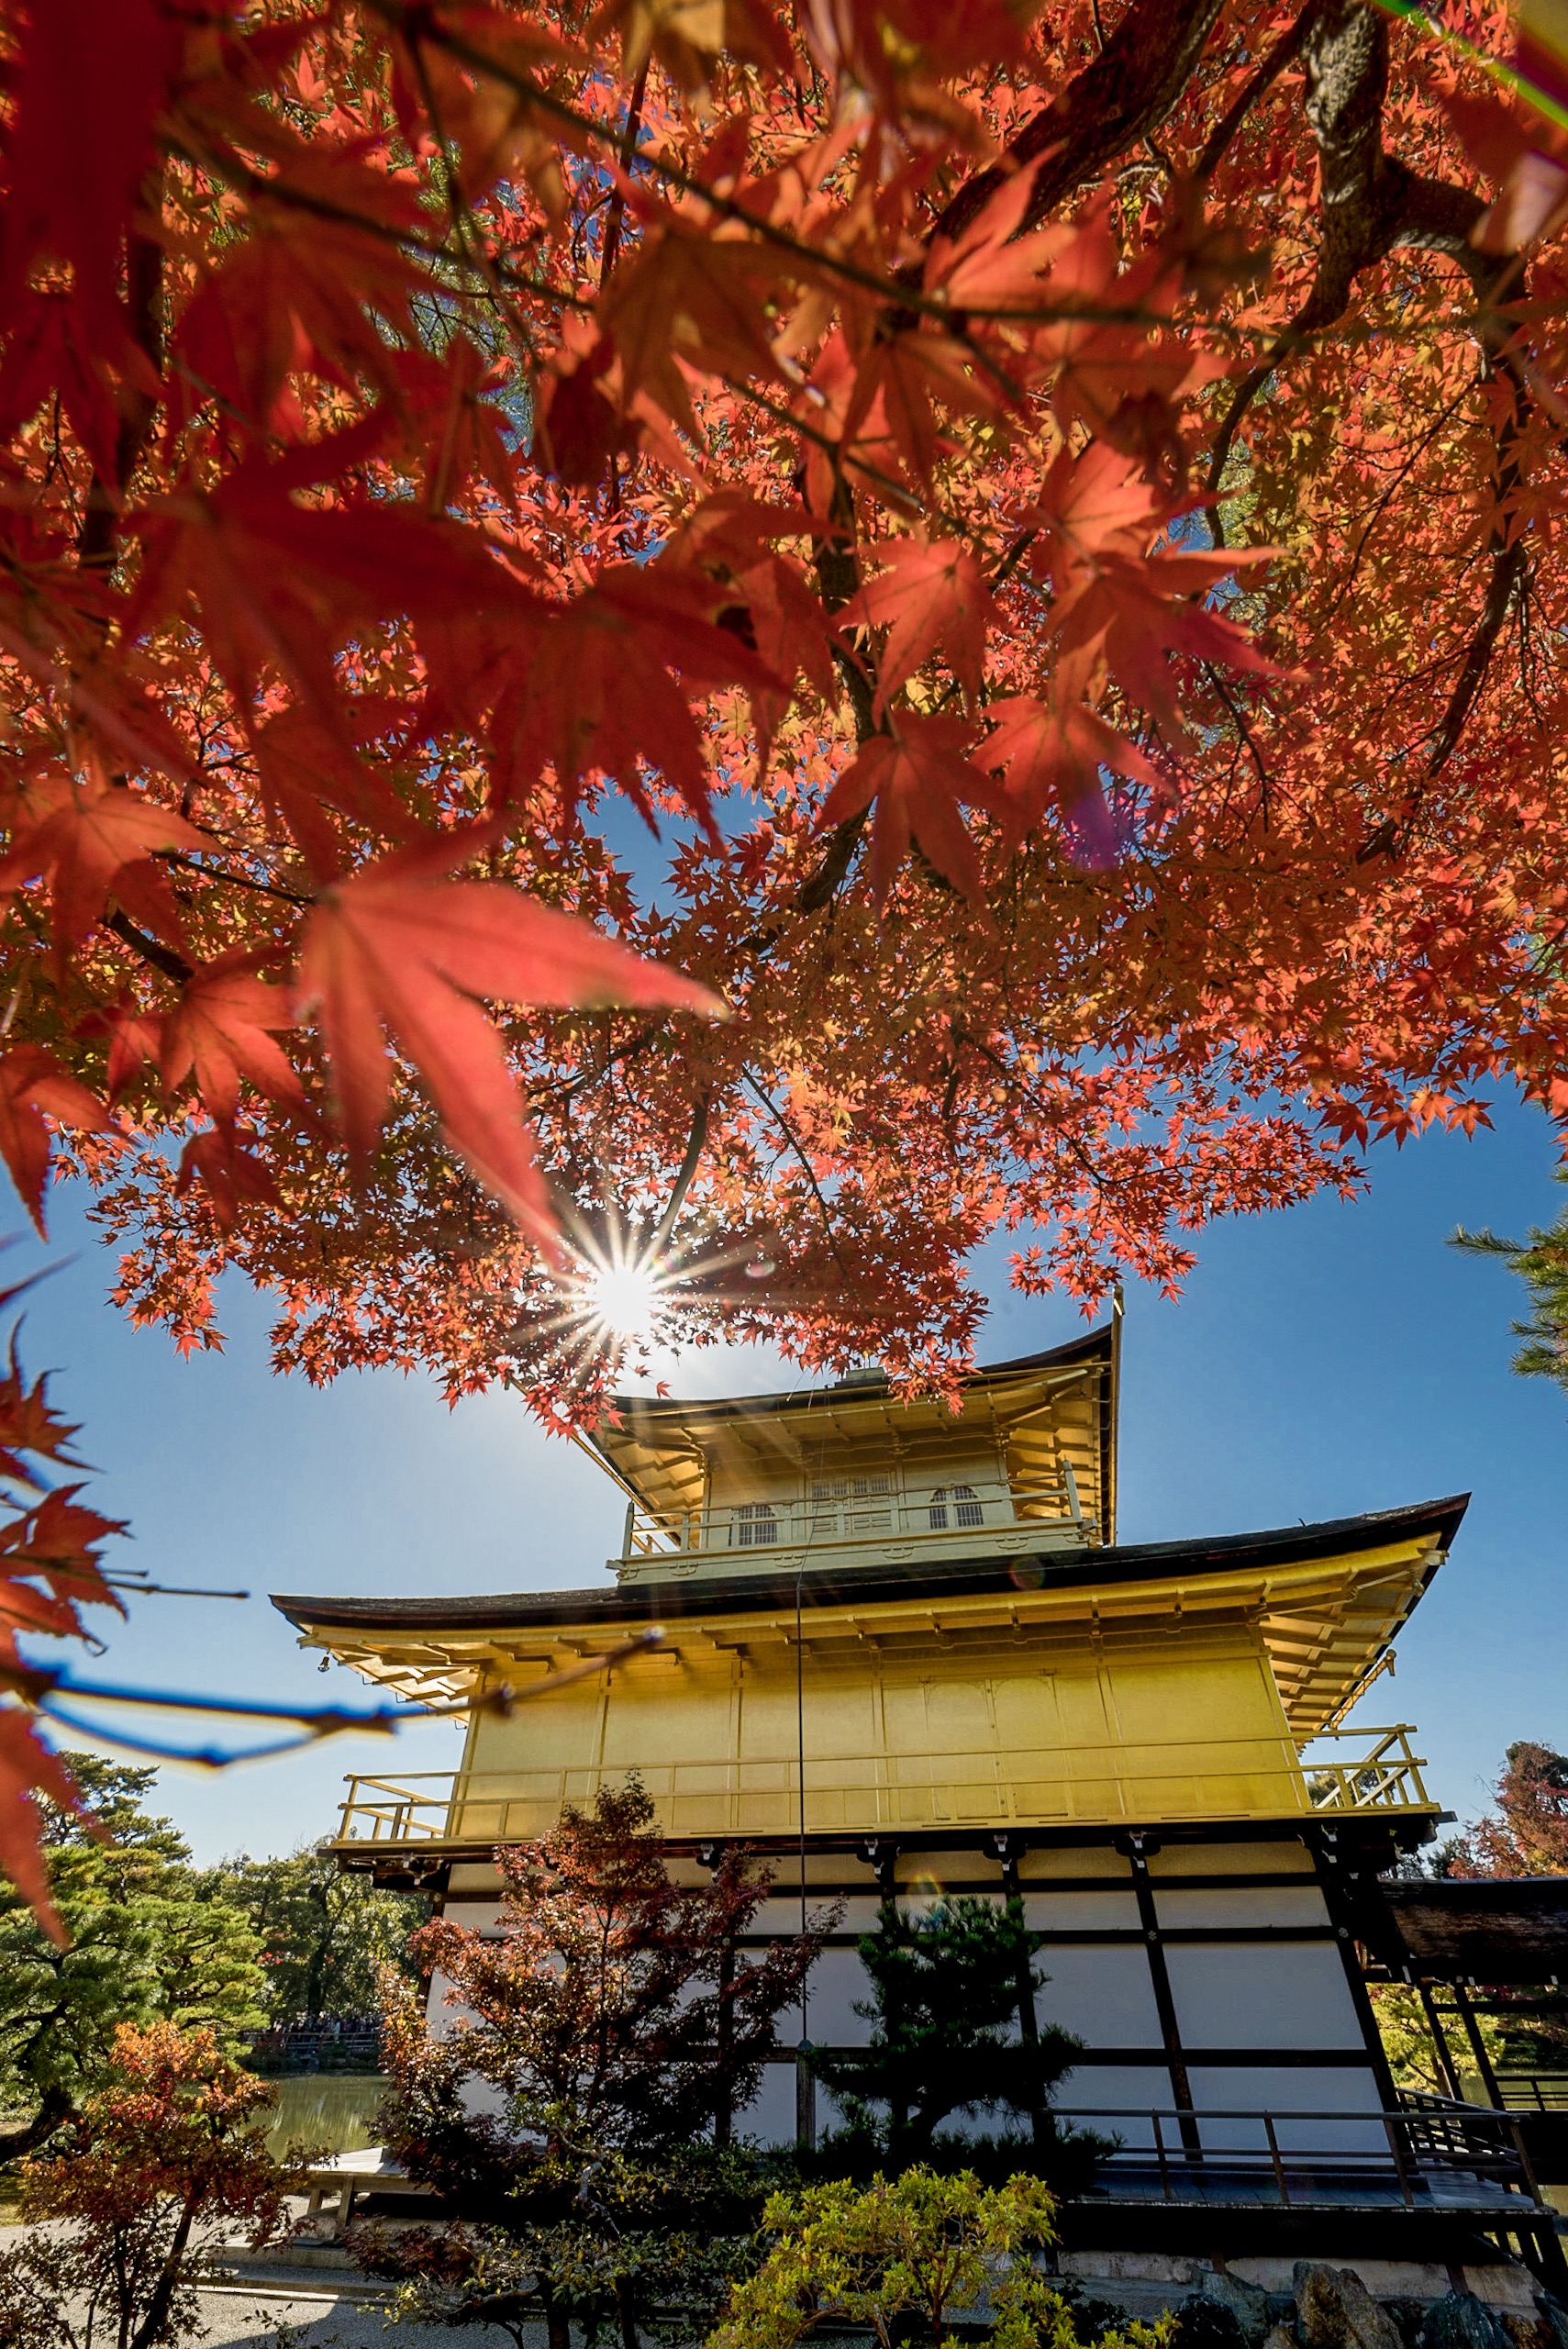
{"points": [[335, 2109]]}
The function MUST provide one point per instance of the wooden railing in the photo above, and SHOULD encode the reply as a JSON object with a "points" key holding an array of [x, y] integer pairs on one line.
{"points": [[1386, 1776], [867, 1793], [1533, 2091], [1430, 2154], [947, 1516]]}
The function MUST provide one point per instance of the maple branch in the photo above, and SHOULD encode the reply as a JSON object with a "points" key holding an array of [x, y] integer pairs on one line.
{"points": [[238, 880], [818, 260], [784, 1128], [1128, 90], [1509, 563], [1238, 718], [150, 950], [1370, 203], [1268, 72], [627, 150], [316, 1721], [683, 1180], [1345, 584], [825, 883], [144, 274]]}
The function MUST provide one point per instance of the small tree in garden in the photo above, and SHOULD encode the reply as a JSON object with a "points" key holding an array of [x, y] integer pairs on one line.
{"points": [[1527, 1832], [951, 1993], [151, 1940], [169, 2150], [619, 2030], [325, 1934], [905, 2257], [613, 2012], [637, 2256]]}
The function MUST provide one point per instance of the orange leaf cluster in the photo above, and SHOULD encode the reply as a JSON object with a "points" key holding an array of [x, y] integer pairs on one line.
{"points": [[50, 1569], [1011, 550]]}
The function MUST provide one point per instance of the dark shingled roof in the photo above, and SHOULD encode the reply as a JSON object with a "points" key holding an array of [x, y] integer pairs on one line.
{"points": [[1486, 1929], [1095, 1346], [645, 1602]]}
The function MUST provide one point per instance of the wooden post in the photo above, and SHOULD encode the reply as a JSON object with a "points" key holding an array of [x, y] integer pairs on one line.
{"points": [[1477, 2045], [1028, 2020], [723, 2107], [804, 2099], [1439, 2042]]}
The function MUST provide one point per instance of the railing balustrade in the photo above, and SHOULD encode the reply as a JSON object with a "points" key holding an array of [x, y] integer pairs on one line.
{"points": [[1430, 2154], [994, 1786], [1386, 1776], [852, 1510], [1533, 2091]]}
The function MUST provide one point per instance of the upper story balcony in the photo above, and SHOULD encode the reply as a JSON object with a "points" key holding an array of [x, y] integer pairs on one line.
{"points": [[1144, 1783], [857, 1519], [1017, 1458]]}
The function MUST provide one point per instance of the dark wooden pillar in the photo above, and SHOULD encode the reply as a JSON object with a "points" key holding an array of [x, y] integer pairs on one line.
{"points": [[1439, 2040], [1339, 1898], [1009, 1849], [1140, 1849], [1477, 2045]]}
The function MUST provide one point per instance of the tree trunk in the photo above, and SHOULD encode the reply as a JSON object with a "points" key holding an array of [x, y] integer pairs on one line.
{"points": [[628, 2333], [557, 2323], [157, 2310], [53, 2112]]}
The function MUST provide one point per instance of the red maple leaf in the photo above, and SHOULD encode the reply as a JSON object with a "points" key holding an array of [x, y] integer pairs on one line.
{"points": [[227, 1172], [57, 1543], [1059, 750], [91, 78], [593, 692], [918, 777], [93, 838], [403, 947], [931, 595], [223, 1030], [26, 1764], [282, 583], [34, 1088]]}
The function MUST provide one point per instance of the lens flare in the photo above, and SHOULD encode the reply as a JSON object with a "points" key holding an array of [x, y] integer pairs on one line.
{"points": [[623, 1299]]}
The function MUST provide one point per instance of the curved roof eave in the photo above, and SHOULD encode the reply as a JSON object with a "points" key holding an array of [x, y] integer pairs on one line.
{"points": [[740, 1594]]}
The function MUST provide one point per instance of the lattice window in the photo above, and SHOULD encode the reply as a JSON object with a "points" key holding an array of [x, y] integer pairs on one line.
{"points": [[757, 1527], [966, 1509], [836, 1498]]}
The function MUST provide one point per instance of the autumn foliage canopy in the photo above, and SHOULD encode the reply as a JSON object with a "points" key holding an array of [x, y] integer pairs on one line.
{"points": [[775, 634], [1045, 514]]}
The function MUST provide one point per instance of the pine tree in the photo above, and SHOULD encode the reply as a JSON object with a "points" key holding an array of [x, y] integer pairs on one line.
{"points": [[325, 1935], [1541, 1262], [952, 2030], [152, 1940]]}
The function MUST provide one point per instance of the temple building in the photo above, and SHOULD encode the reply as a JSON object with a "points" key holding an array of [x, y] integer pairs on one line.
{"points": [[900, 1648]]}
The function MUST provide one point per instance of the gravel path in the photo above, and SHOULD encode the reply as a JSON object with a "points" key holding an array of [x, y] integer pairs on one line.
{"points": [[314, 2315]]}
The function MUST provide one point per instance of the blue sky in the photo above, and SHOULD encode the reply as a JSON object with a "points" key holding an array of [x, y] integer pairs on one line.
{"points": [[1323, 1360]]}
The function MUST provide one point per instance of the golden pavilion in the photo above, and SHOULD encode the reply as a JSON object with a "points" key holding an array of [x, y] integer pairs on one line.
{"points": [[898, 1648]]}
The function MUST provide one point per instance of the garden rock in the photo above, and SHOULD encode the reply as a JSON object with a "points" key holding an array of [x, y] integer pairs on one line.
{"points": [[1459, 2321], [1246, 2302], [1204, 2322], [1334, 2310], [1524, 2331]]}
